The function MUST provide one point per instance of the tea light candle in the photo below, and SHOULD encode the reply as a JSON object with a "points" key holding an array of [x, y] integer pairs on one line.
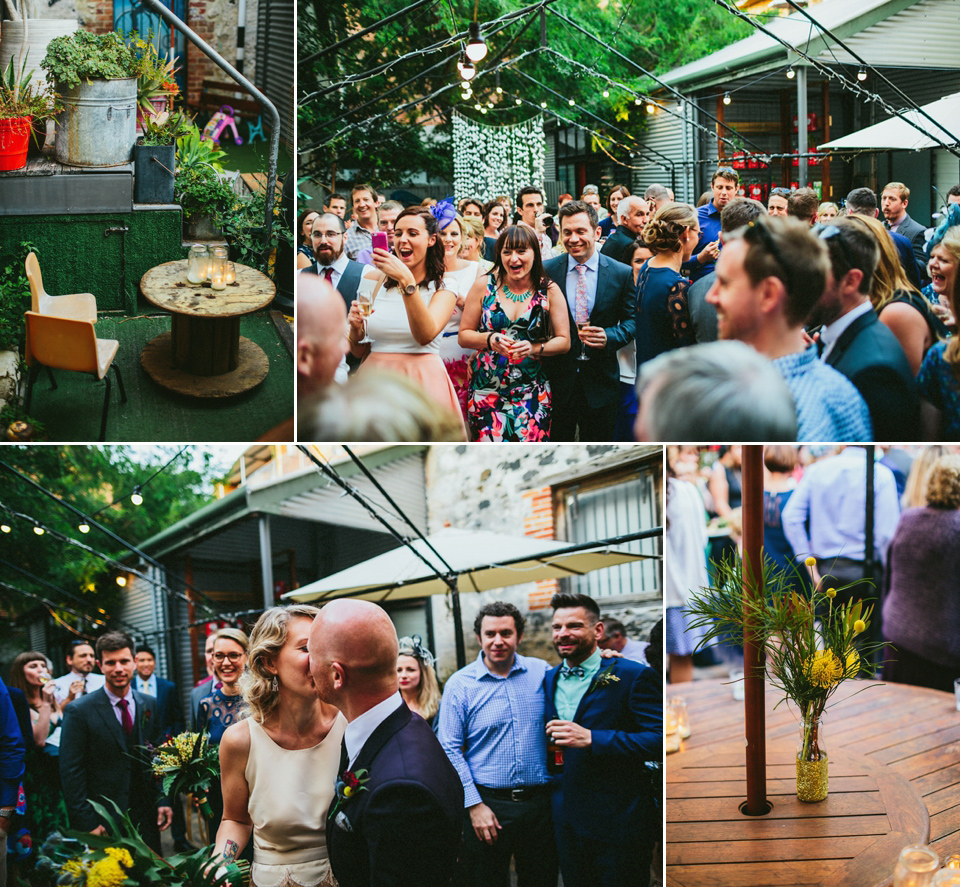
{"points": [[230, 275], [671, 738], [216, 282]]}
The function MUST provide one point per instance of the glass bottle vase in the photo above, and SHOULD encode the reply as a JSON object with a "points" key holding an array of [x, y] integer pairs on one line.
{"points": [[811, 761]]}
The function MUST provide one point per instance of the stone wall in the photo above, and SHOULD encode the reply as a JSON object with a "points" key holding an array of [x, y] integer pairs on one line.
{"points": [[507, 489]]}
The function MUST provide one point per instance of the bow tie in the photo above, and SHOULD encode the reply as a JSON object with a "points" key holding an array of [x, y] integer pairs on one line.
{"points": [[572, 671]]}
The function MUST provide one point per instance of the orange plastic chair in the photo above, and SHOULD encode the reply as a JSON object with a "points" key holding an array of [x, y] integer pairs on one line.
{"points": [[62, 343], [79, 306]]}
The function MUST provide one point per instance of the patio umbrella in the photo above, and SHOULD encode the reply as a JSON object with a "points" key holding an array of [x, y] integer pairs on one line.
{"points": [[896, 134], [480, 561]]}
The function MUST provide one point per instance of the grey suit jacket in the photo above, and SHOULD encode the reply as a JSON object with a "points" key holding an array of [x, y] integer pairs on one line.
{"points": [[915, 233]]}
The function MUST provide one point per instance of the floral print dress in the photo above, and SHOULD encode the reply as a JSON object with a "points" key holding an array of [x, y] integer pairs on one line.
{"points": [[509, 401]]}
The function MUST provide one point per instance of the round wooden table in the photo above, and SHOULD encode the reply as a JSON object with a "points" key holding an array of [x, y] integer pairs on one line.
{"points": [[204, 354], [894, 780]]}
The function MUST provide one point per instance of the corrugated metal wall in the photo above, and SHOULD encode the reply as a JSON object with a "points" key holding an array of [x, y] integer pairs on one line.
{"points": [[946, 173], [665, 134], [275, 57]]}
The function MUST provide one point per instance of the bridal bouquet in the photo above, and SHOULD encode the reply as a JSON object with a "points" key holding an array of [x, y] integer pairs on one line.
{"points": [[122, 858], [187, 763], [811, 645]]}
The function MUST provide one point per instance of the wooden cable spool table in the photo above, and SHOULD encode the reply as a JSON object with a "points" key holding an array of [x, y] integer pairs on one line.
{"points": [[204, 354], [894, 779]]}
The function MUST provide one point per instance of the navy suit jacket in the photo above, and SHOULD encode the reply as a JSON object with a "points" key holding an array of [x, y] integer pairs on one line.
{"points": [[913, 267], [169, 715], [614, 310], [405, 828], [870, 356], [620, 245], [605, 791], [98, 761]]}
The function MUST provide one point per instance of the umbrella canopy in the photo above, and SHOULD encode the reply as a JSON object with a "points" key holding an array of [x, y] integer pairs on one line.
{"points": [[896, 134], [482, 560]]}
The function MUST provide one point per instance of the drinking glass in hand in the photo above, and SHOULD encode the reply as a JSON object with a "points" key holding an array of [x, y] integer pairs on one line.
{"points": [[366, 308]]}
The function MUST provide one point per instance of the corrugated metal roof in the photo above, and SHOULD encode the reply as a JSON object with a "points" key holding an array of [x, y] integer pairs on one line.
{"points": [[844, 17], [924, 35]]}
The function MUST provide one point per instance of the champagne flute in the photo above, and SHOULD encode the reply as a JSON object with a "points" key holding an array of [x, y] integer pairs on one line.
{"points": [[582, 321], [365, 301]]}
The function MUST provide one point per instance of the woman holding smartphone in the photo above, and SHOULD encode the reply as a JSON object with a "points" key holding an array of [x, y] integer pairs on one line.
{"points": [[507, 321], [408, 307]]}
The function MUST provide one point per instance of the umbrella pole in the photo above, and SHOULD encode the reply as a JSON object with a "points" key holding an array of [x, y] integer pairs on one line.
{"points": [[453, 583], [753, 680]]}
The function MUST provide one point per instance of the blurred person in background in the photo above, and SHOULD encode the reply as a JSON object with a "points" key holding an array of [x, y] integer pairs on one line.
{"points": [[921, 607]]}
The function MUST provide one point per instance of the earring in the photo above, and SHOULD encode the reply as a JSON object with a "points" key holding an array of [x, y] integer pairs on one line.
{"points": [[275, 686]]}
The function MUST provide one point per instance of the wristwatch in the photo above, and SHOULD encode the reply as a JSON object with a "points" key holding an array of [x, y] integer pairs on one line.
{"points": [[409, 290]]}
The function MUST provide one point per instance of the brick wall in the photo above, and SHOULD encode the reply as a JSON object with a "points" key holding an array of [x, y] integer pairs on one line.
{"points": [[539, 523]]}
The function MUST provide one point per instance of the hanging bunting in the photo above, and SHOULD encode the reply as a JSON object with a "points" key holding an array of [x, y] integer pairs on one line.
{"points": [[492, 160]]}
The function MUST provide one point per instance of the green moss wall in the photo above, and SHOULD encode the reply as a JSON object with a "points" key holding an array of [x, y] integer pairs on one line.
{"points": [[78, 256]]}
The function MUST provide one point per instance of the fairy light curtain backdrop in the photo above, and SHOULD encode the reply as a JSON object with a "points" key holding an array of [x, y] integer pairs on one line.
{"points": [[493, 160]]}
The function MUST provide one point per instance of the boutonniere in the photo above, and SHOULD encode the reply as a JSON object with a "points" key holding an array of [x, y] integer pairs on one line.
{"points": [[348, 785], [605, 677]]}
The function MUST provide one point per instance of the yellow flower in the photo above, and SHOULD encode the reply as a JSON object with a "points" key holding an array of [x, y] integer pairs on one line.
{"points": [[121, 855], [859, 626], [348, 791], [810, 561], [824, 669], [831, 593], [106, 872], [852, 665], [74, 868]]}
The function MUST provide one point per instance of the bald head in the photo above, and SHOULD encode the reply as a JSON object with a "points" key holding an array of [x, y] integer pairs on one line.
{"points": [[321, 333], [353, 656]]}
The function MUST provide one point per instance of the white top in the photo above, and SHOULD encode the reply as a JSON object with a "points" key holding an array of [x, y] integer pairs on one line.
{"points": [[389, 326], [685, 566], [288, 806], [62, 684], [627, 358], [458, 282]]}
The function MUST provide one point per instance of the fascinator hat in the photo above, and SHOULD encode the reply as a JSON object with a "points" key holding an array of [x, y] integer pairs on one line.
{"points": [[950, 218], [413, 646], [444, 212]]}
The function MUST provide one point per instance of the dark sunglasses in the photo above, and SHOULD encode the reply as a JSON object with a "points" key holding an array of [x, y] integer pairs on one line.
{"points": [[762, 237], [831, 233]]}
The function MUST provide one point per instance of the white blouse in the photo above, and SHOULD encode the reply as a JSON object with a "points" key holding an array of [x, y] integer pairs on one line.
{"points": [[389, 325]]}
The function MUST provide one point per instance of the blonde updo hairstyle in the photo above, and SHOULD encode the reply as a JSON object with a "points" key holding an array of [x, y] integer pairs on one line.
{"points": [[266, 640], [663, 233]]}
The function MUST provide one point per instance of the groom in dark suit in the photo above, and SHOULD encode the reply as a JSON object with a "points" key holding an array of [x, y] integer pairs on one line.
{"points": [[586, 393], [101, 754], [400, 822], [607, 716]]}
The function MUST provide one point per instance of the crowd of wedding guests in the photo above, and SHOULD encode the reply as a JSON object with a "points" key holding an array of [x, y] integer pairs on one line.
{"points": [[343, 762], [814, 503], [794, 321]]}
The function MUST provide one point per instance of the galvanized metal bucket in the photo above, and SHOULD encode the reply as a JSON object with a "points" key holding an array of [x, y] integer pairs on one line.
{"points": [[98, 123]]}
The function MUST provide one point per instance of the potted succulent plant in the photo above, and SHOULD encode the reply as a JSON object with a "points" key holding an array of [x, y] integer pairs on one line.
{"points": [[20, 102], [156, 82], [154, 156], [25, 37], [95, 75]]}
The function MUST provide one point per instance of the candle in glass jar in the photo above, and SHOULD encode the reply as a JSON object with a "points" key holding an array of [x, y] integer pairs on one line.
{"points": [[216, 281], [671, 739], [230, 275]]}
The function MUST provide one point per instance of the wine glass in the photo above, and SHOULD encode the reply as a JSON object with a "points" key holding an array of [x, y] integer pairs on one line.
{"points": [[583, 319], [365, 301]]}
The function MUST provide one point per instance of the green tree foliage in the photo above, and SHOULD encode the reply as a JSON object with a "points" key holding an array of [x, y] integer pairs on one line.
{"points": [[342, 134], [88, 478]]}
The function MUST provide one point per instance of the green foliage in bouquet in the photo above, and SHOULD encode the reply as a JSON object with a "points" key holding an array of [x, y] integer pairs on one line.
{"points": [[122, 858], [187, 763], [811, 643]]}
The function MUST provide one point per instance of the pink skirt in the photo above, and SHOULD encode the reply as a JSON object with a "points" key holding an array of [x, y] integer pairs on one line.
{"points": [[427, 370]]}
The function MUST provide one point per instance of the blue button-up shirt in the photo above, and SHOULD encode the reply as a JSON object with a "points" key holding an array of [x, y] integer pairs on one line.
{"points": [[829, 407], [492, 727], [709, 218]]}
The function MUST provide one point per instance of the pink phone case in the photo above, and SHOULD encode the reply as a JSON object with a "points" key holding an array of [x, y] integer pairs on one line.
{"points": [[380, 240]]}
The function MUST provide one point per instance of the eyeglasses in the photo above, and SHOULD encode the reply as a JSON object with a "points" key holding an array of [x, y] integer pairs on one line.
{"points": [[326, 235], [766, 241], [233, 657], [831, 233]]}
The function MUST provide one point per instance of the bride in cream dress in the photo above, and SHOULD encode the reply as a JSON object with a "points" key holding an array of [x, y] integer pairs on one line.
{"points": [[279, 765]]}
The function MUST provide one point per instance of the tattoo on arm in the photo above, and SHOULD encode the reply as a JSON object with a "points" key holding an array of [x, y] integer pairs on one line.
{"points": [[231, 850]]}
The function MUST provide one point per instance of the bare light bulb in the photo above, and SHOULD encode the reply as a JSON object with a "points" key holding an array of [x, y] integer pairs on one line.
{"points": [[476, 47], [726, 98]]}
